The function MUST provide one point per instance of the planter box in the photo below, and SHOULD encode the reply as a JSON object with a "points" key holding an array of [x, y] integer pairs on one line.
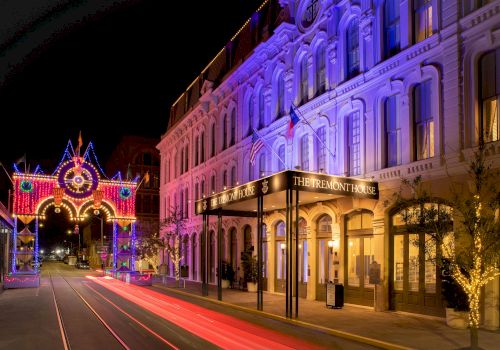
{"points": [[252, 287], [225, 284], [457, 319]]}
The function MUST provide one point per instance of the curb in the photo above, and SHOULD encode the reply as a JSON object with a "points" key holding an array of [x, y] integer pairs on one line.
{"points": [[361, 339]]}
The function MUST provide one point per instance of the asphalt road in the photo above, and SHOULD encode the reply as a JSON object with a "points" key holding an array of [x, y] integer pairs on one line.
{"points": [[80, 309]]}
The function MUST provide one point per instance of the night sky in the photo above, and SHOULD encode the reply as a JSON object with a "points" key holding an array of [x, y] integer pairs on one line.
{"points": [[100, 66]]}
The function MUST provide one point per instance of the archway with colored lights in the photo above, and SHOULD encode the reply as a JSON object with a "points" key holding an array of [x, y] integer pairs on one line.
{"points": [[80, 187]]}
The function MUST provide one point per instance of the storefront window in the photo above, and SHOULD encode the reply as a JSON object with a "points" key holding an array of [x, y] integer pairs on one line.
{"points": [[280, 262], [353, 262], [321, 261], [414, 265], [430, 265], [303, 261], [398, 262], [369, 254]]}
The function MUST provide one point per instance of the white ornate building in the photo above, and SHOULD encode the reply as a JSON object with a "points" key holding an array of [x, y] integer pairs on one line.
{"points": [[394, 88]]}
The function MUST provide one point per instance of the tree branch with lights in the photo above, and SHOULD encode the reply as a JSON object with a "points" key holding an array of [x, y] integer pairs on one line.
{"points": [[464, 234], [173, 228]]}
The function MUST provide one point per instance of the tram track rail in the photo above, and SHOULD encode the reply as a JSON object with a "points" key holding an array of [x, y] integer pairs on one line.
{"points": [[60, 317]]}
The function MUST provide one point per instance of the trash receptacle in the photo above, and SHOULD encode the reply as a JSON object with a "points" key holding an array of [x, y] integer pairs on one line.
{"points": [[334, 295]]}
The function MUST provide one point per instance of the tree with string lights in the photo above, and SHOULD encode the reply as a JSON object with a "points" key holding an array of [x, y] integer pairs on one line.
{"points": [[462, 235], [173, 228]]}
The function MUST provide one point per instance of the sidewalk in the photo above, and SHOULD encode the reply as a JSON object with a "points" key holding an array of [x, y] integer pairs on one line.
{"points": [[403, 329]]}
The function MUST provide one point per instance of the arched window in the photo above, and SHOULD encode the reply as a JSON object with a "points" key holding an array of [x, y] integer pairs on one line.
{"points": [[280, 96], [262, 165], [489, 89], [280, 243], [304, 152], [391, 27], [320, 149], [224, 132], [320, 70], [232, 139], [247, 239], [186, 158], [193, 257], [352, 47], [212, 184], [354, 144], [202, 188], [423, 121], [392, 132], [202, 147], [212, 140], [281, 154], [181, 204], [182, 161], [233, 176], [224, 179], [261, 108], [304, 95], [251, 112], [196, 150], [196, 191], [422, 20], [186, 203]]}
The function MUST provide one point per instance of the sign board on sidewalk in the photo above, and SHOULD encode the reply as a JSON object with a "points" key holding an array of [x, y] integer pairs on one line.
{"points": [[374, 273], [330, 294]]}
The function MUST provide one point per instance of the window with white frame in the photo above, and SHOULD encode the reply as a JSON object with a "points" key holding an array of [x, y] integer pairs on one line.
{"points": [[392, 132], [224, 132], [212, 184], [233, 176], [281, 154], [304, 152], [321, 149], [196, 150], [262, 165], [212, 141], [422, 20], [280, 96], [186, 203], [472, 5], [489, 70], [224, 179], [202, 147], [303, 81], [320, 70], [182, 161], [423, 120], [186, 158], [251, 105], [202, 188], [352, 48], [391, 28], [232, 139], [354, 146], [261, 108]]}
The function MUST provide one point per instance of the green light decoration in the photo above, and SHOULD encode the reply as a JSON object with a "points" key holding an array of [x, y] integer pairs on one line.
{"points": [[26, 186], [124, 263], [125, 193], [125, 247], [125, 228]]}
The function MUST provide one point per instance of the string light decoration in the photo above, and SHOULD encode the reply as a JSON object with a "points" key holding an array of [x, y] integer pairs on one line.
{"points": [[76, 186]]}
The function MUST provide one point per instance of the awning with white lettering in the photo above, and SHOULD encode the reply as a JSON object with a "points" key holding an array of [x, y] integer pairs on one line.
{"points": [[313, 187]]}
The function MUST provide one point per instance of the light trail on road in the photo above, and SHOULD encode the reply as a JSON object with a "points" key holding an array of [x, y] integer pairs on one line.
{"points": [[222, 330]]}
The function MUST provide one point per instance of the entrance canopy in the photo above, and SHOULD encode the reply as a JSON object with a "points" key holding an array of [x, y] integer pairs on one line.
{"points": [[313, 187]]}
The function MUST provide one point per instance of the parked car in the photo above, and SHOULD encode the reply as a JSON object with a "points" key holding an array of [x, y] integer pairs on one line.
{"points": [[83, 264], [39, 263]]}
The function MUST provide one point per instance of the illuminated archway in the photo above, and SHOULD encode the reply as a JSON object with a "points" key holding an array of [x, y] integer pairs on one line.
{"points": [[78, 186]]}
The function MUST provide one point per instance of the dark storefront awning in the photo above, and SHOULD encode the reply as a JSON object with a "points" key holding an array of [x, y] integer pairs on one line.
{"points": [[313, 187]]}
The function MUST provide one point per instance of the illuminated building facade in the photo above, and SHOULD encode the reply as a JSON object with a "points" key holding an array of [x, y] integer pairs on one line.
{"points": [[385, 90]]}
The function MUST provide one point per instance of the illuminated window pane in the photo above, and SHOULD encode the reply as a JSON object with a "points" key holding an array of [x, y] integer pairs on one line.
{"points": [[369, 257], [353, 262], [430, 265], [414, 264], [398, 262]]}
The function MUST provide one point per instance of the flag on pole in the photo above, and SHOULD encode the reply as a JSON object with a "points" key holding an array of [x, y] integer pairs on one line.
{"points": [[21, 160], [257, 144], [294, 119]]}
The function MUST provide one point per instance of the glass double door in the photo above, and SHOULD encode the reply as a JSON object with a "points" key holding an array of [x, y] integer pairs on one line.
{"points": [[414, 286]]}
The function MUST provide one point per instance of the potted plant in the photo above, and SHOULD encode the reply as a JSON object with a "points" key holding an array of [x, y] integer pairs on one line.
{"points": [[227, 274], [249, 264], [457, 306]]}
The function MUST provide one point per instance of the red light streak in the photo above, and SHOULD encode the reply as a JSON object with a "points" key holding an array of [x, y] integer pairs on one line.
{"points": [[217, 328]]}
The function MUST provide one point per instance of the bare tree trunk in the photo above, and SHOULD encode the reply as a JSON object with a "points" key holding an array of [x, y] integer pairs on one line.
{"points": [[474, 339]]}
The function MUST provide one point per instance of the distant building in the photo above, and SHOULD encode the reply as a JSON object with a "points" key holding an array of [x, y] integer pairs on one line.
{"points": [[389, 89], [135, 156], [6, 225]]}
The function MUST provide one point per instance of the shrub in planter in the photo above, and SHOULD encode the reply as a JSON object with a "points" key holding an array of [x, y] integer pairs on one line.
{"points": [[227, 274], [249, 264], [457, 306]]}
